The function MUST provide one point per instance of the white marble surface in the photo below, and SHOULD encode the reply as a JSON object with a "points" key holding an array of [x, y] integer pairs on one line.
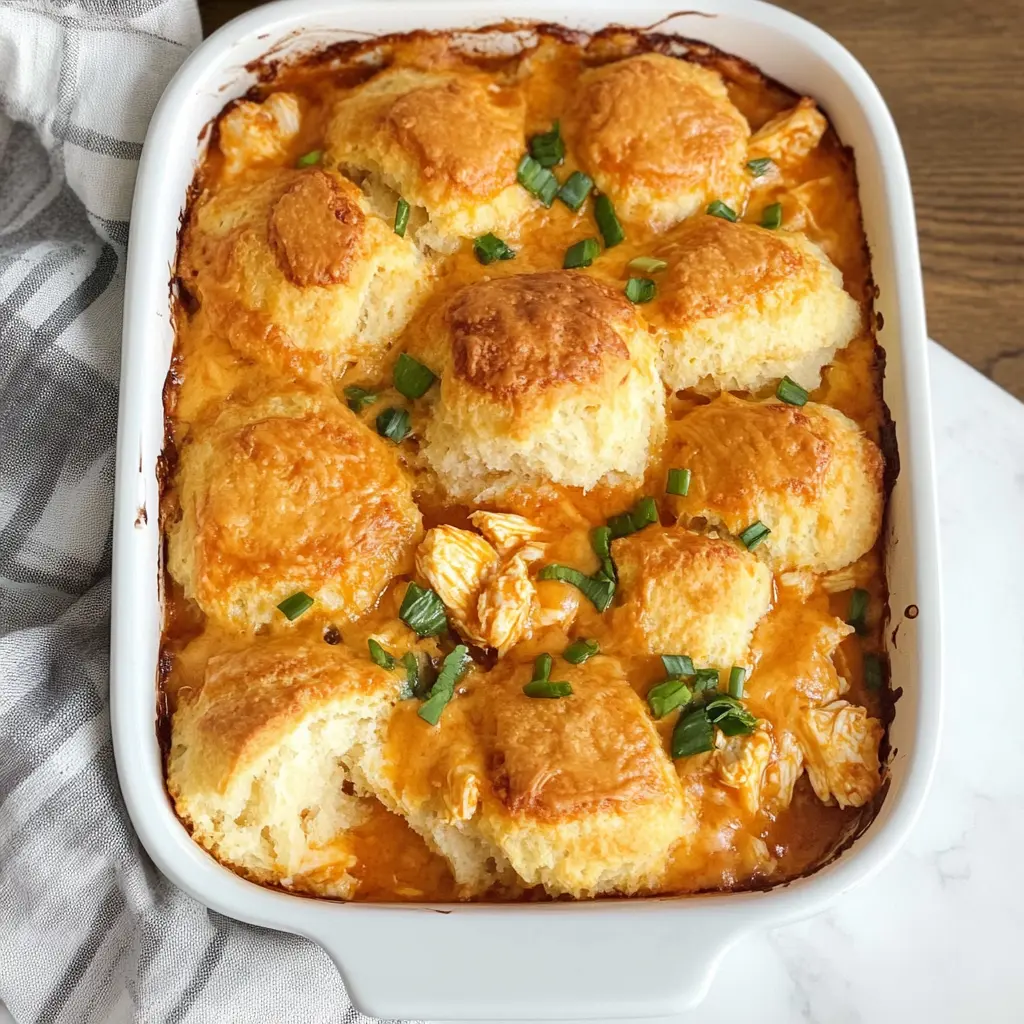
{"points": [[937, 936]]}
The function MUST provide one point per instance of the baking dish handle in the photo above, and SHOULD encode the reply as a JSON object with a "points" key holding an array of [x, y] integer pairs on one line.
{"points": [[549, 962]]}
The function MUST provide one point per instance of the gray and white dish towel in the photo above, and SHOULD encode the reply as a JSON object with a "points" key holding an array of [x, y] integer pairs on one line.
{"points": [[90, 931]]}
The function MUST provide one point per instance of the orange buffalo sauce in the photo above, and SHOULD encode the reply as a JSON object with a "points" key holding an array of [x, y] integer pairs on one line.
{"points": [[735, 849]]}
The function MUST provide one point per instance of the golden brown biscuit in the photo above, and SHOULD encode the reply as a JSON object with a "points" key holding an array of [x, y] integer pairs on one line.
{"points": [[809, 474], [544, 377], [684, 593], [660, 136], [446, 142], [256, 763], [290, 493], [299, 273], [576, 794], [740, 306]]}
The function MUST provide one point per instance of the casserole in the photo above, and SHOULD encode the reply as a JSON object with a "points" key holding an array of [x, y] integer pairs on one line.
{"points": [[602, 969]]}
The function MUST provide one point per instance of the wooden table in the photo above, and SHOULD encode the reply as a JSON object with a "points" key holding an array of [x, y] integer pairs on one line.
{"points": [[953, 75]]}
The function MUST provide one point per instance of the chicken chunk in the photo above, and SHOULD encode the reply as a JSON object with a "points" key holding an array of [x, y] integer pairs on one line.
{"points": [[790, 136], [840, 744], [742, 762], [254, 133], [505, 530], [782, 773]]}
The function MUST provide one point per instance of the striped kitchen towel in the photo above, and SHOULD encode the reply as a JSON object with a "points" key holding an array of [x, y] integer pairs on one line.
{"points": [[89, 930]]}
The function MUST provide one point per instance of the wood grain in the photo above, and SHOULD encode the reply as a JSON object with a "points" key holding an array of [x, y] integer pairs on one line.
{"points": [[953, 77]]}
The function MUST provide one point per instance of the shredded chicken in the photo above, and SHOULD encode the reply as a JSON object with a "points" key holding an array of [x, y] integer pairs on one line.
{"points": [[781, 775], [742, 762], [253, 132], [788, 137], [505, 530], [840, 745]]}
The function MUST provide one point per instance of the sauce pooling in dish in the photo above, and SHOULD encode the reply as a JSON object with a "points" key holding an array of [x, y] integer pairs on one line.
{"points": [[525, 483]]}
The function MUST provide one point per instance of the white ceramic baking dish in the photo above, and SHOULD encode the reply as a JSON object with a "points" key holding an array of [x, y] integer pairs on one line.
{"points": [[615, 958]]}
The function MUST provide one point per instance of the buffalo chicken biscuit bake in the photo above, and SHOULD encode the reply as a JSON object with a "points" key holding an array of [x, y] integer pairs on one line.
{"points": [[524, 484]]}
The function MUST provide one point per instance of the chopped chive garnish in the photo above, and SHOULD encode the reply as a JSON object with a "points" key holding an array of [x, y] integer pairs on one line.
{"points": [[489, 248], [581, 254], [537, 179], [423, 611], [754, 534], [737, 677], [298, 604], [394, 424], [580, 651], [693, 734], [575, 190], [719, 209], [667, 696], [401, 217], [858, 611], [678, 482], [600, 541], [759, 166], [542, 665], [599, 590], [411, 377], [444, 686], [729, 715], [640, 290], [412, 674], [677, 665], [379, 655], [643, 513], [771, 216], [359, 398], [548, 149], [790, 392], [705, 680], [646, 264], [545, 688], [607, 222], [309, 159], [874, 677]]}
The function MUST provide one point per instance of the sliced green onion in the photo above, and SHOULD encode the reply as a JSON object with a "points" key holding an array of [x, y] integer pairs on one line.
{"points": [[640, 290], [423, 611], [309, 159], [643, 513], [705, 681], [874, 676], [790, 392], [737, 677], [858, 611], [298, 604], [542, 667], [678, 482], [359, 398], [754, 534], [759, 166], [419, 674], [575, 190], [677, 665], [412, 378], [379, 655], [667, 696], [693, 734], [729, 715], [401, 217], [489, 248], [548, 149], [394, 424], [647, 264], [412, 674], [581, 254], [599, 591], [607, 222], [444, 686], [580, 651], [601, 542], [719, 209], [537, 179], [771, 216], [545, 688]]}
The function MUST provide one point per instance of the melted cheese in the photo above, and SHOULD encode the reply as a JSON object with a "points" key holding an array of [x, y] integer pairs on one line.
{"points": [[755, 825]]}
